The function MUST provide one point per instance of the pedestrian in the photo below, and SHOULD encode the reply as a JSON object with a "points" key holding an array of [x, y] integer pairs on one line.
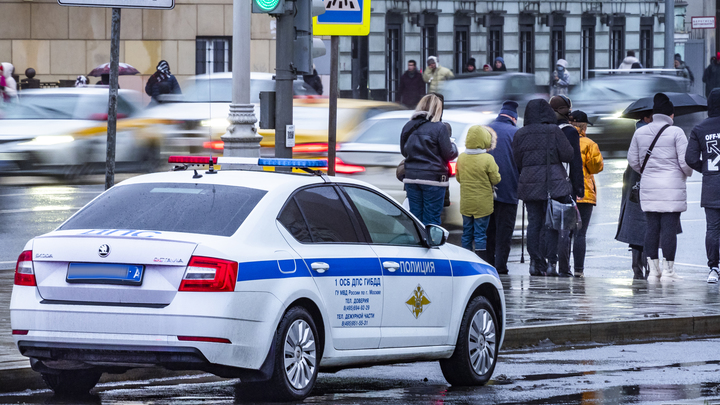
{"points": [[592, 165], [540, 148], [702, 155], [562, 107], [502, 221], [8, 85], [711, 75], [104, 80], [435, 74], [477, 173], [487, 68], [81, 81], [631, 221], [470, 66], [561, 78], [411, 87], [313, 80], [161, 82], [500, 64], [663, 194], [630, 62], [427, 148], [684, 71]]}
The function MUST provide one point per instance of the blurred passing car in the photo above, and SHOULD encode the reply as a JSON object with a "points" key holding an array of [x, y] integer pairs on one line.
{"points": [[604, 99], [63, 132], [487, 91], [200, 114]]}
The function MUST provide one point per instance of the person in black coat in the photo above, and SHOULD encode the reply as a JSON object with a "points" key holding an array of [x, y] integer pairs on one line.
{"points": [[426, 145], [161, 82], [540, 148], [711, 75], [703, 155], [412, 86], [562, 107]]}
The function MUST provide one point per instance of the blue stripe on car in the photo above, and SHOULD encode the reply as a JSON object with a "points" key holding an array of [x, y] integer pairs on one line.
{"points": [[463, 269]]}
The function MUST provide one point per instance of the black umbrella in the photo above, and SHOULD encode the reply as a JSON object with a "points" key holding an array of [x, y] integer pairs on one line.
{"points": [[684, 103]]}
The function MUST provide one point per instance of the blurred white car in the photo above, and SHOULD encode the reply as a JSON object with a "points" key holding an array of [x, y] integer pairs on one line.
{"points": [[63, 132]]}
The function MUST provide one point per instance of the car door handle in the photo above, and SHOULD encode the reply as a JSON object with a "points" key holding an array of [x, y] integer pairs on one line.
{"points": [[391, 266], [320, 267]]}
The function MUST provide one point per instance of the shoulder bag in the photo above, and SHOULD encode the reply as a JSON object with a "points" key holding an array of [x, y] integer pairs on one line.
{"points": [[635, 190], [400, 171], [559, 216]]}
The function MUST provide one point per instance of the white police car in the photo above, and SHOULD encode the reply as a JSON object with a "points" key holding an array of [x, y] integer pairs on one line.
{"points": [[265, 276]]}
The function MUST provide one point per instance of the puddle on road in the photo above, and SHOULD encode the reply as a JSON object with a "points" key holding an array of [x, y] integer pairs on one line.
{"points": [[708, 393]]}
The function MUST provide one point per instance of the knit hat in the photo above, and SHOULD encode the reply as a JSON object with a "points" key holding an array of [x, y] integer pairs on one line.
{"points": [[163, 67], [561, 104], [500, 59], [678, 57], [509, 108], [579, 116], [663, 105]]}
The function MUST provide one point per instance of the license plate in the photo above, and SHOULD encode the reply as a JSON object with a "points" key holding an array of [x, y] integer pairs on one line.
{"points": [[97, 273]]}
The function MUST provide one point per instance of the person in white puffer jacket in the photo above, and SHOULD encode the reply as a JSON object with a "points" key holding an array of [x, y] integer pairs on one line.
{"points": [[8, 86], [663, 195]]}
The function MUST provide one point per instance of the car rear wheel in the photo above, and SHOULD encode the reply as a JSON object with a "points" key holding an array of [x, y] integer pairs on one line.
{"points": [[72, 382], [476, 350]]}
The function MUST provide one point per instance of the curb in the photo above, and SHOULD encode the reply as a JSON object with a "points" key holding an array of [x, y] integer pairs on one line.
{"points": [[614, 331]]}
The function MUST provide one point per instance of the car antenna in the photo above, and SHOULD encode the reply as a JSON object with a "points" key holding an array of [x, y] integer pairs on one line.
{"points": [[197, 175], [212, 167]]}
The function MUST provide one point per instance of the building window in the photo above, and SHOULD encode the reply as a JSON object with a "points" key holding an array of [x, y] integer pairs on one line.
{"points": [[646, 42], [494, 37], [527, 48], [587, 51], [394, 67], [462, 47], [429, 40], [557, 44], [213, 55], [617, 43]]}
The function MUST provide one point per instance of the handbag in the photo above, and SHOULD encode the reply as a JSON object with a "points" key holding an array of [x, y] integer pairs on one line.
{"points": [[635, 190], [400, 171], [558, 215]]}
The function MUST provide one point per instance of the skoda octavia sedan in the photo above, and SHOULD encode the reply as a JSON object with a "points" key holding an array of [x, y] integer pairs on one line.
{"points": [[263, 276]]}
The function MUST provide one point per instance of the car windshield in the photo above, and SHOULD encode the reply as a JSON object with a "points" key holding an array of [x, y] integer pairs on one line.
{"points": [[208, 209], [387, 131], [474, 89], [220, 90], [43, 107], [618, 88], [316, 118]]}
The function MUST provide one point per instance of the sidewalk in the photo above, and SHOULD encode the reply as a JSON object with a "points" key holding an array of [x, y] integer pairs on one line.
{"points": [[563, 310]]}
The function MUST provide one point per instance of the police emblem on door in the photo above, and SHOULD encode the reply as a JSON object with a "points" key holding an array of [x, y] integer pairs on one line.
{"points": [[417, 301], [104, 250]]}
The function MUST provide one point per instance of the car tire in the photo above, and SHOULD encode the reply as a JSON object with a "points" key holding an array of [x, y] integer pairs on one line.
{"points": [[295, 363], [476, 350], [72, 382]]}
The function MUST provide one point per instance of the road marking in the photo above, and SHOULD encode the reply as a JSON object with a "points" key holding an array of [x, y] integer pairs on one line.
{"points": [[41, 209]]}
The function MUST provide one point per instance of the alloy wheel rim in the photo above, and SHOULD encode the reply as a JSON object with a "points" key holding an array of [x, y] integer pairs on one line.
{"points": [[481, 342], [299, 354]]}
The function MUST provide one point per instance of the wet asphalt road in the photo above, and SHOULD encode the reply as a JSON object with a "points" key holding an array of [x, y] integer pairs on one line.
{"points": [[684, 372]]}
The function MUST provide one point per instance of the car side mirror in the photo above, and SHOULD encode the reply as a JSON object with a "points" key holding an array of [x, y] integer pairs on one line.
{"points": [[436, 235]]}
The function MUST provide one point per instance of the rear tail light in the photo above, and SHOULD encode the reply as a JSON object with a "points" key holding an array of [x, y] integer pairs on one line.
{"points": [[24, 273], [344, 168], [310, 148], [453, 168], [214, 145], [20, 332], [203, 339], [209, 274]]}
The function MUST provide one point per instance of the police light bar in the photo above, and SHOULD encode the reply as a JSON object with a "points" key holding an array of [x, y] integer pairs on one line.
{"points": [[204, 160]]}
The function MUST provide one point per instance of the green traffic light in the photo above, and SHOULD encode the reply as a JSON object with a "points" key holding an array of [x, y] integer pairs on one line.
{"points": [[267, 5]]}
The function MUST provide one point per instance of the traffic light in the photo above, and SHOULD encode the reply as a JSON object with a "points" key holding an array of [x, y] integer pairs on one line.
{"points": [[306, 47], [268, 6]]}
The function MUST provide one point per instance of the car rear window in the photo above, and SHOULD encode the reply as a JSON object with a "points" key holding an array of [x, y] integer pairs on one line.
{"points": [[170, 207]]}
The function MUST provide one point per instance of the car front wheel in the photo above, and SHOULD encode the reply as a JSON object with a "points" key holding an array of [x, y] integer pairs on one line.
{"points": [[476, 350], [72, 382]]}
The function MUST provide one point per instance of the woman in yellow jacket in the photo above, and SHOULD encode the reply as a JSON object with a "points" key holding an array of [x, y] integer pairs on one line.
{"points": [[477, 173], [592, 164]]}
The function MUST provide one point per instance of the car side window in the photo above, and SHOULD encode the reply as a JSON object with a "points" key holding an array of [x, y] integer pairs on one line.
{"points": [[291, 218], [326, 216], [385, 222]]}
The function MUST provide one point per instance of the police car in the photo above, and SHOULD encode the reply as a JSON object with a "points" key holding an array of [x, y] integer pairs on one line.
{"points": [[263, 276]]}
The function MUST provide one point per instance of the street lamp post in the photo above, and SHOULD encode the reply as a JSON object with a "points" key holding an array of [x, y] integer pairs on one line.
{"points": [[241, 138]]}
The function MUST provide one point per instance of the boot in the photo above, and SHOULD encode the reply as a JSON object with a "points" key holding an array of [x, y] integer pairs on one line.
{"points": [[579, 272], [668, 273], [637, 265], [534, 270], [551, 270], [655, 270]]}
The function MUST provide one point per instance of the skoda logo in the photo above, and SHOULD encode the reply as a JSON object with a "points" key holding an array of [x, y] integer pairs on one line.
{"points": [[104, 250]]}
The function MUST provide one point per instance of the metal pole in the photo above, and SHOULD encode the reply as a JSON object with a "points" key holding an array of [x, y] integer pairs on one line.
{"points": [[241, 138], [284, 77], [332, 121], [669, 34], [112, 102]]}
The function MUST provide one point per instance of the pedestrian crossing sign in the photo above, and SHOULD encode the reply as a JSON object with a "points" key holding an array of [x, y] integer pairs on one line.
{"points": [[343, 17]]}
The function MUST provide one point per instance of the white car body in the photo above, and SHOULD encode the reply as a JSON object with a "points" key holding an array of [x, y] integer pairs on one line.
{"points": [[361, 308]]}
